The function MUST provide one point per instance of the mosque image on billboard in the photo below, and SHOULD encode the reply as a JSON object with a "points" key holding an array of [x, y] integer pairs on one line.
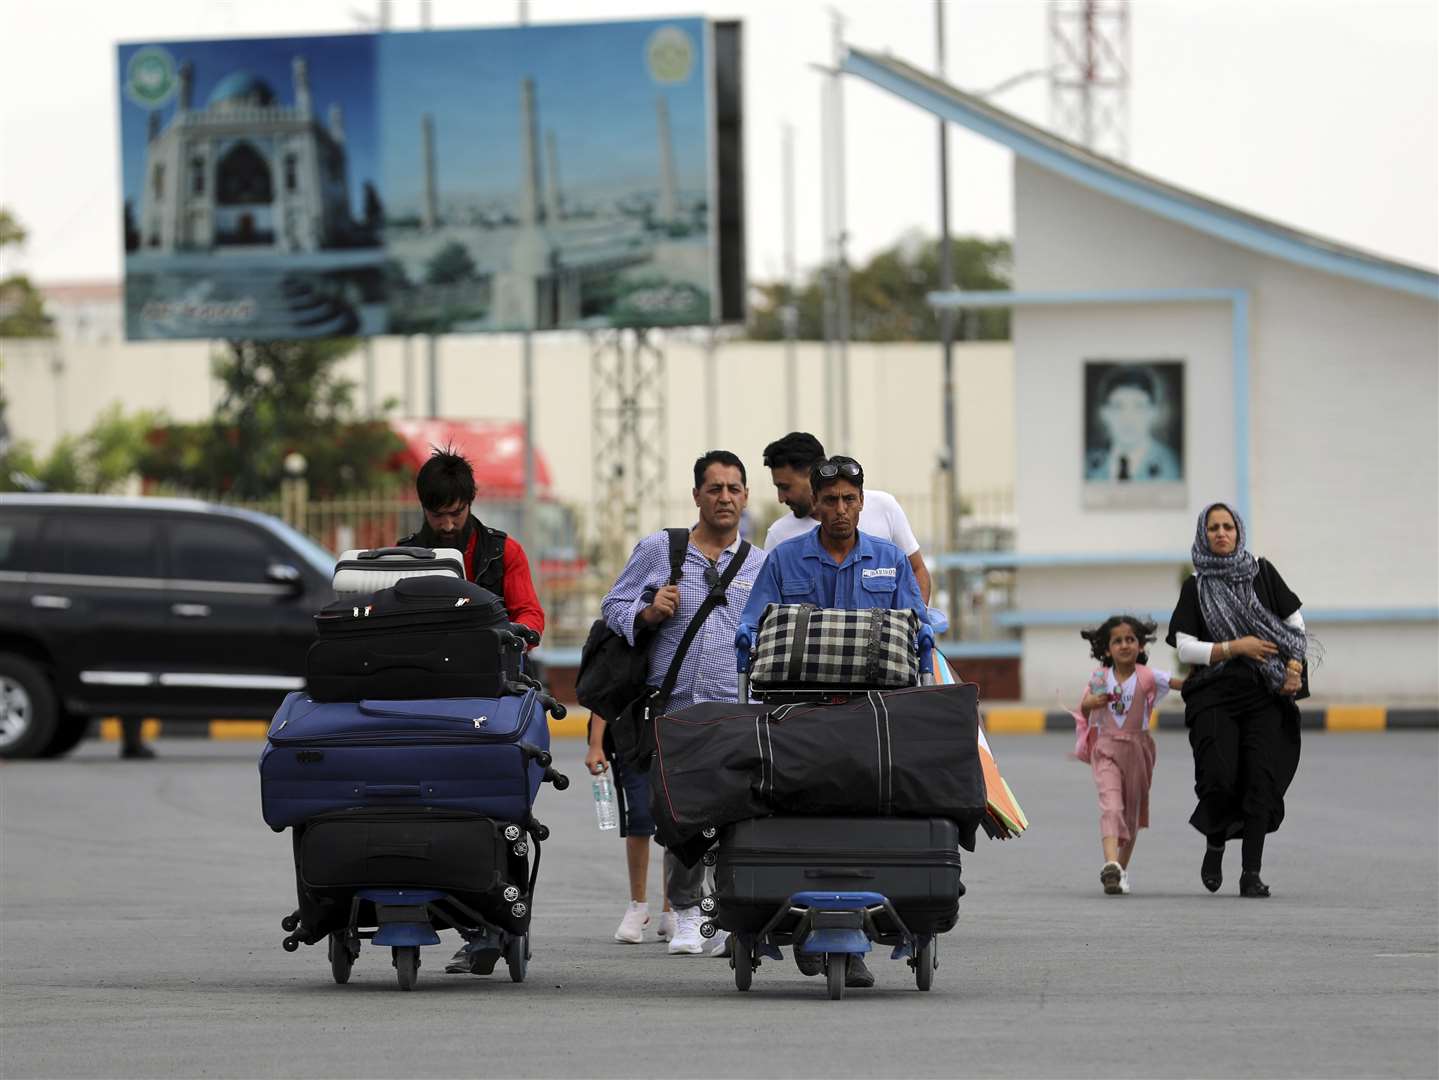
{"points": [[467, 180]]}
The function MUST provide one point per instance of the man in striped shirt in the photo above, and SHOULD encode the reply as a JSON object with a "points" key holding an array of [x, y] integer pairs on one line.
{"points": [[641, 600]]}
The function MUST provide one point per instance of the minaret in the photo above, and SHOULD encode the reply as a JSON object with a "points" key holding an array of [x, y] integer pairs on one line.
{"points": [[430, 209], [187, 85], [300, 73], [668, 201], [552, 180], [154, 125], [529, 157], [337, 123]]}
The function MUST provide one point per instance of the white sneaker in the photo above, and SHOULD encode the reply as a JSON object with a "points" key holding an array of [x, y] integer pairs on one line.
{"points": [[1123, 881], [687, 940], [720, 944], [631, 930], [667, 926]]}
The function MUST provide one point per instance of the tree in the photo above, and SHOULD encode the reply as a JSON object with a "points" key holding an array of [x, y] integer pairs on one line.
{"points": [[278, 397], [100, 461], [888, 294], [22, 308], [452, 264]]}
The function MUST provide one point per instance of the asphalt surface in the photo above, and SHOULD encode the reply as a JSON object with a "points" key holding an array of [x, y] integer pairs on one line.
{"points": [[140, 908]]}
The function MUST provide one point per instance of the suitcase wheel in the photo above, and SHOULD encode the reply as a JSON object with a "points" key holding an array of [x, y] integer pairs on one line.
{"points": [[407, 965]]}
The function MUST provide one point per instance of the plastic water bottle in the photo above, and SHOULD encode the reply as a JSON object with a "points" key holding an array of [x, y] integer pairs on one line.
{"points": [[605, 809]]}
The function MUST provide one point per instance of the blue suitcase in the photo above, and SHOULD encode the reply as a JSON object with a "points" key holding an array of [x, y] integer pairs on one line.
{"points": [[483, 755]]}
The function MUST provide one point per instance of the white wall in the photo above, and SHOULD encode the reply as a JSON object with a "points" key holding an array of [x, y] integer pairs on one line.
{"points": [[896, 409], [1345, 432]]}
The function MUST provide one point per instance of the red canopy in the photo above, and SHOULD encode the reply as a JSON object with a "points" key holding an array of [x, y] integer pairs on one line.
{"points": [[495, 449]]}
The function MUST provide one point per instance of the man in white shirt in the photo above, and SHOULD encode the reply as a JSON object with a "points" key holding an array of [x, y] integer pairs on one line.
{"points": [[789, 461]]}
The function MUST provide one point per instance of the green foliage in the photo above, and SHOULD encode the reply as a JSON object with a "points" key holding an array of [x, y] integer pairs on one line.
{"points": [[278, 397], [887, 294], [451, 265], [99, 462], [22, 309]]}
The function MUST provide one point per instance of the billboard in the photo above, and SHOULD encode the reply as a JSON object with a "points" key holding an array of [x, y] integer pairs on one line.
{"points": [[1134, 434], [536, 177]]}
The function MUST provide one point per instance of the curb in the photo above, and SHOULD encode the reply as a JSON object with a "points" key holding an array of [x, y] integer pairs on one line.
{"points": [[997, 721], [1336, 718]]}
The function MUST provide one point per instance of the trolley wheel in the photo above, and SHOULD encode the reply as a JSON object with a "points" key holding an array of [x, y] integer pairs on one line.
{"points": [[836, 968], [341, 958], [290, 923], [517, 957], [742, 960], [925, 963], [407, 965]]}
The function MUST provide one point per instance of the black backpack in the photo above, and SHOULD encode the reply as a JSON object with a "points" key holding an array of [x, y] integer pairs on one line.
{"points": [[612, 671]]}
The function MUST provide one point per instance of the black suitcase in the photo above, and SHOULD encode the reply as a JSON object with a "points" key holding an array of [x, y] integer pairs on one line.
{"points": [[914, 862], [461, 854], [407, 847], [425, 637]]}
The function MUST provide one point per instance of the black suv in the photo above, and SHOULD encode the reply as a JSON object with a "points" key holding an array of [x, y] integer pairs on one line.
{"points": [[147, 607]]}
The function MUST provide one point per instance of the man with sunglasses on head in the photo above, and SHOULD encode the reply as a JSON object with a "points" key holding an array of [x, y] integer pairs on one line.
{"points": [[836, 565], [789, 461], [643, 601]]}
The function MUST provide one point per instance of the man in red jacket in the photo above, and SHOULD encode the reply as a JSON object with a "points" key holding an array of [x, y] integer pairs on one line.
{"points": [[493, 560]]}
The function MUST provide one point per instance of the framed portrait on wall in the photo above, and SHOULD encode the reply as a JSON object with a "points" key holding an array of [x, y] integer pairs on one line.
{"points": [[1134, 434]]}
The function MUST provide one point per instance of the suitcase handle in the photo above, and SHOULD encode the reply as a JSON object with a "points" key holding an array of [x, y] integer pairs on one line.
{"points": [[411, 552], [837, 871], [393, 791]]}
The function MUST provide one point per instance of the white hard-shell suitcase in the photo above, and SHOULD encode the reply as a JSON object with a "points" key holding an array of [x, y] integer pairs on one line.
{"points": [[359, 572]]}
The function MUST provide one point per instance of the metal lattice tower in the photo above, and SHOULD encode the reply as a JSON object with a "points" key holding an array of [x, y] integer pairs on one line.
{"points": [[1089, 73], [628, 427]]}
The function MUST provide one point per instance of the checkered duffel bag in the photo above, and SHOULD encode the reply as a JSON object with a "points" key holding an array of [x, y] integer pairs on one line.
{"points": [[802, 646]]}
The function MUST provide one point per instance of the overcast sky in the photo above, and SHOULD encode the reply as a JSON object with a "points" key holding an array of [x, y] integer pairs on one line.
{"points": [[1321, 114]]}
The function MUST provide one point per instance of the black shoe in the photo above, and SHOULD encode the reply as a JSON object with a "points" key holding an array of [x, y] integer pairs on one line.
{"points": [[137, 752], [1250, 885], [858, 975], [477, 957], [809, 963], [1211, 871]]}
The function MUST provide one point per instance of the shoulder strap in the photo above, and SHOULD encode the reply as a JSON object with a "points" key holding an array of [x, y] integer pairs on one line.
{"points": [[731, 571], [679, 545]]}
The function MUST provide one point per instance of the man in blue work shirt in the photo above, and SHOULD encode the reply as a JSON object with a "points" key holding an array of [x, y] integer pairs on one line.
{"points": [[835, 566]]}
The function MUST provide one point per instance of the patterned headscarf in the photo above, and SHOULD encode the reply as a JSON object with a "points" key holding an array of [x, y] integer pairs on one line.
{"points": [[1230, 607]]}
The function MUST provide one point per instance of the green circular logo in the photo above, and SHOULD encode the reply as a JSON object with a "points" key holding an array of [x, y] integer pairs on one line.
{"points": [[670, 55], [150, 77]]}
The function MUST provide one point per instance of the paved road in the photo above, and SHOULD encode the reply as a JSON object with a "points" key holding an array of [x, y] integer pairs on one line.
{"points": [[139, 936]]}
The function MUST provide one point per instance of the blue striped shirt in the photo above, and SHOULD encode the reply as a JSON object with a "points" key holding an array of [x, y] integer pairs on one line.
{"points": [[708, 671]]}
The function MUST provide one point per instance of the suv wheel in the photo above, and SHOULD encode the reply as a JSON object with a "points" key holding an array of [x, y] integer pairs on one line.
{"points": [[28, 715]]}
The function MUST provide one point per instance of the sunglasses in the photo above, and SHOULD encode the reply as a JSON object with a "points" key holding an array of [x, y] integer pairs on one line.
{"points": [[830, 469], [712, 579]]}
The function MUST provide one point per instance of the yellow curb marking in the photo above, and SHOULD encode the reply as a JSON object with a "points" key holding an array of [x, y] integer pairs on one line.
{"points": [[571, 727], [110, 729], [1014, 721], [238, 730], [1355, 718]]}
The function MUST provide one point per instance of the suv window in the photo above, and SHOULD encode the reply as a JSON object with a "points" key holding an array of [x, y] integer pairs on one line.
{"points": [[17, 541], [105, 545], [218, 551]]}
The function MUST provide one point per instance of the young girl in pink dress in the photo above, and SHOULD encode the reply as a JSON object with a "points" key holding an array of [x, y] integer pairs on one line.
{"points": [[1113, 736]]}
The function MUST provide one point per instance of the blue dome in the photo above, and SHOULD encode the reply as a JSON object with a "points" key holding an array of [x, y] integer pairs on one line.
{"points": [[241, 88]]}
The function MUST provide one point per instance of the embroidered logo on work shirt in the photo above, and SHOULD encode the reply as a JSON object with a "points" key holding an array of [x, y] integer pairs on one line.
{"points": [[883, 571]]}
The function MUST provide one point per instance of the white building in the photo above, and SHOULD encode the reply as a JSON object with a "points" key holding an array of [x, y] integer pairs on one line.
{"points": [[1310, 402], [245, 173]]}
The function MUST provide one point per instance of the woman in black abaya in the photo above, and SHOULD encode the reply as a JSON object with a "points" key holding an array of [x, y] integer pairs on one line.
{"points": [[1238, 625]]}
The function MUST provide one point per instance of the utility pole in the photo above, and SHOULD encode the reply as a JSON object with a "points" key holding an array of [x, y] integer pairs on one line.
{"points": [[432, 341], [841, 266], [827, 272], [789, 313], [527, 392], [946, 337]]}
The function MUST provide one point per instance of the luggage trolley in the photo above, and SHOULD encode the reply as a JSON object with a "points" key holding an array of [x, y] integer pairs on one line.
{"points": [[411, 817], [828, 924]]}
